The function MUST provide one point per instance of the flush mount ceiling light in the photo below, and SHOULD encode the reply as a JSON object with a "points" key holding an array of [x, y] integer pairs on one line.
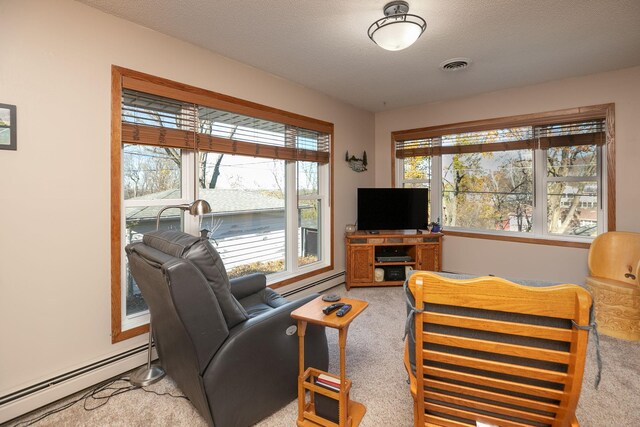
{"points": [[397, 30]]}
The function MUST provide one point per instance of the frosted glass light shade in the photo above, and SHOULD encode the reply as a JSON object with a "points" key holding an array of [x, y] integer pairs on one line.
{"points": [[396, 31], [397, 36]]}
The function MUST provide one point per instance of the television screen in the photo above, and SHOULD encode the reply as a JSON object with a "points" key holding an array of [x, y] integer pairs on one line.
{"points": [[392, 208]]}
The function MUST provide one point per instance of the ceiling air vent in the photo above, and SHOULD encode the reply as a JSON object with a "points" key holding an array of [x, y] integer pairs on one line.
{"points": [[455, 64]]}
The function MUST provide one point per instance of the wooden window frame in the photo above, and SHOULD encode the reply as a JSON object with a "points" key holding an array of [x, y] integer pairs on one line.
{"points": [[126, 78], [600, 111]]}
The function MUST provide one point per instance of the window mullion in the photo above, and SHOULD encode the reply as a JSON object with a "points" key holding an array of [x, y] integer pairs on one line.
{"points": [[399, 169], [540, 199], [325, 219], [190, 189], [435, 186], [602, 180], [291, 217]]}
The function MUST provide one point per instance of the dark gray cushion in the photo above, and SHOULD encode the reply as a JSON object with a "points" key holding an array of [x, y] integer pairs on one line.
{"points": [[263, 301], [250, 284], [203, 255], [173, 243]]}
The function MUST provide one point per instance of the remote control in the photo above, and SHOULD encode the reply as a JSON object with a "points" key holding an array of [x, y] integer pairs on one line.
{"points": [[328, 309], [343, 310]]}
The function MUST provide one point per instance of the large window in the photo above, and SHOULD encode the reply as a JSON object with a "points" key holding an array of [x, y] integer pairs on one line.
{"points": [[265, 173], [539, 177]]}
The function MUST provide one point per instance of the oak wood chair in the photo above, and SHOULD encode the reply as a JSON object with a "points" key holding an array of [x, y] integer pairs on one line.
{"points": [[494, 351], [614, 280]]}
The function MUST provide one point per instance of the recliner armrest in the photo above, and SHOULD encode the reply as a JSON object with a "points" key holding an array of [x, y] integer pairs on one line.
{"points": [[258, 365], [276, 312], [244, 286]]}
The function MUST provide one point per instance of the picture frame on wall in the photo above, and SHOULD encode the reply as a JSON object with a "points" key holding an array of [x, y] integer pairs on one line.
{"points": [[8, 125]]}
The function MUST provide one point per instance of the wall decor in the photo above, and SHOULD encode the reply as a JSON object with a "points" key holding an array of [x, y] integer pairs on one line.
{"points": [[356, 164], [8, 139]]}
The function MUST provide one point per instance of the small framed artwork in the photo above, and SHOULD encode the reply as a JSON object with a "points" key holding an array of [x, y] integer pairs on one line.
{"points": [[8, 133]]}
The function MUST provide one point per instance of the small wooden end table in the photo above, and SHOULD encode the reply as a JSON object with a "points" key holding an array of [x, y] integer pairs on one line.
{"points": [[350, 413]]}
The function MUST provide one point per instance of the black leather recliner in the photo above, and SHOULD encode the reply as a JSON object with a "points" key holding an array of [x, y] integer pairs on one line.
{"points": [[224, 343]]}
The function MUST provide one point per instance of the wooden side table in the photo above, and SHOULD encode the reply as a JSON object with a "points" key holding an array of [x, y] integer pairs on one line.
{"points": [[350, 413]]}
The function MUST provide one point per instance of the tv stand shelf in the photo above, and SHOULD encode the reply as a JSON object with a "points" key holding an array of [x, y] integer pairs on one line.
{"points": [[363, 249]]}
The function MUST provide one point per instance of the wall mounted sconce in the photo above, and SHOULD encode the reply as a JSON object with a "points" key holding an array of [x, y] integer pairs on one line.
{"points": [[356, 164]]}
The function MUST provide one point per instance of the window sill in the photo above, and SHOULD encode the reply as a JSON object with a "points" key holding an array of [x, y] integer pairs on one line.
{"points": [[299, 277], [519, 239]]}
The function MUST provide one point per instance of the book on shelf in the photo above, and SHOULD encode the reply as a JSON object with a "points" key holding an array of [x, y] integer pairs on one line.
{"points": [[327, 407], [327, 386], [329, 381]]}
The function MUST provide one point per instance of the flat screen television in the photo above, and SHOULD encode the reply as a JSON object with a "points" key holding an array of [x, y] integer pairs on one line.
{"points": [[392, 208]]}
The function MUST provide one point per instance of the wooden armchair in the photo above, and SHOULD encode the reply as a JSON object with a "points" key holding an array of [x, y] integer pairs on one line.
{"points": [[614, 280], [494, 351]]}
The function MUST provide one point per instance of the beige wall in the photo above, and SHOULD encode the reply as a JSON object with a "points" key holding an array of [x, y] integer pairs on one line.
{"points": [[55, 213], [54, 258], [516, 259]]}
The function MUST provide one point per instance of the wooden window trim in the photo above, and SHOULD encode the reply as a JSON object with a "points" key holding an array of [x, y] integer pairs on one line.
{"points": [[116, 208], [558, 116], [606, 111], [171, 89], [126, 78], [518, 239]]}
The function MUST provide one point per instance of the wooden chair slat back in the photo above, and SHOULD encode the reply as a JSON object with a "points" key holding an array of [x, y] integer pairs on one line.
{"points": [[491, 350]]}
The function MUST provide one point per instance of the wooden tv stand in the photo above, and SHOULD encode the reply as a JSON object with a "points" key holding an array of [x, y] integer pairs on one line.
{"points": [[364, 250]]}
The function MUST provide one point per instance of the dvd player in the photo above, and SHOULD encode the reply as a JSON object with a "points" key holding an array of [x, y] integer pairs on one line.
{"points": [[394, 258]]}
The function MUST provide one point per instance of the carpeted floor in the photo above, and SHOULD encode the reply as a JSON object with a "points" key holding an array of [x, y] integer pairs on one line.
{"points": [[374, 363]]}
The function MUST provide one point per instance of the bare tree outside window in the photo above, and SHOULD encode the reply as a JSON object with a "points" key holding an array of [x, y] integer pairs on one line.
{"points": [[572, 190], [488, 190]]}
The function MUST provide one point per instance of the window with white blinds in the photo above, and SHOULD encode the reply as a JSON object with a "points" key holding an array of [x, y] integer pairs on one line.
{"points": [[265, 172], [545, 179]]}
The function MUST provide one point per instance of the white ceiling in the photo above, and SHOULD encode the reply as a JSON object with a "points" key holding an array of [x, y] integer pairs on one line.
{"points": [[323, 44]]}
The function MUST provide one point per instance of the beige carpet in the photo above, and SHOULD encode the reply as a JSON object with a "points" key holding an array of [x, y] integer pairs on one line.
{"points": [[374, 363]]}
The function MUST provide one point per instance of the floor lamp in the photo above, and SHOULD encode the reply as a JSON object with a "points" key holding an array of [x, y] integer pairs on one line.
{"points": [[150, 374]]}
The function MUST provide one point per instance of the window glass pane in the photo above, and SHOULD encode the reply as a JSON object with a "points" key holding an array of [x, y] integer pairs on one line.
{"points": [[572, 208], [237, 127], [134, 302], [308, 232], [572, 161], [416, 185], [311, 140], [140, 220], [417, 168], [307, 178], [151, 110], [248, 218], [135, 228], [492, 191], [151, 172]]}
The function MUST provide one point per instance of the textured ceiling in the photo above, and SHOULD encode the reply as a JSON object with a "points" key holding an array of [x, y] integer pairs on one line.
{"points": [[323, 44]]}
